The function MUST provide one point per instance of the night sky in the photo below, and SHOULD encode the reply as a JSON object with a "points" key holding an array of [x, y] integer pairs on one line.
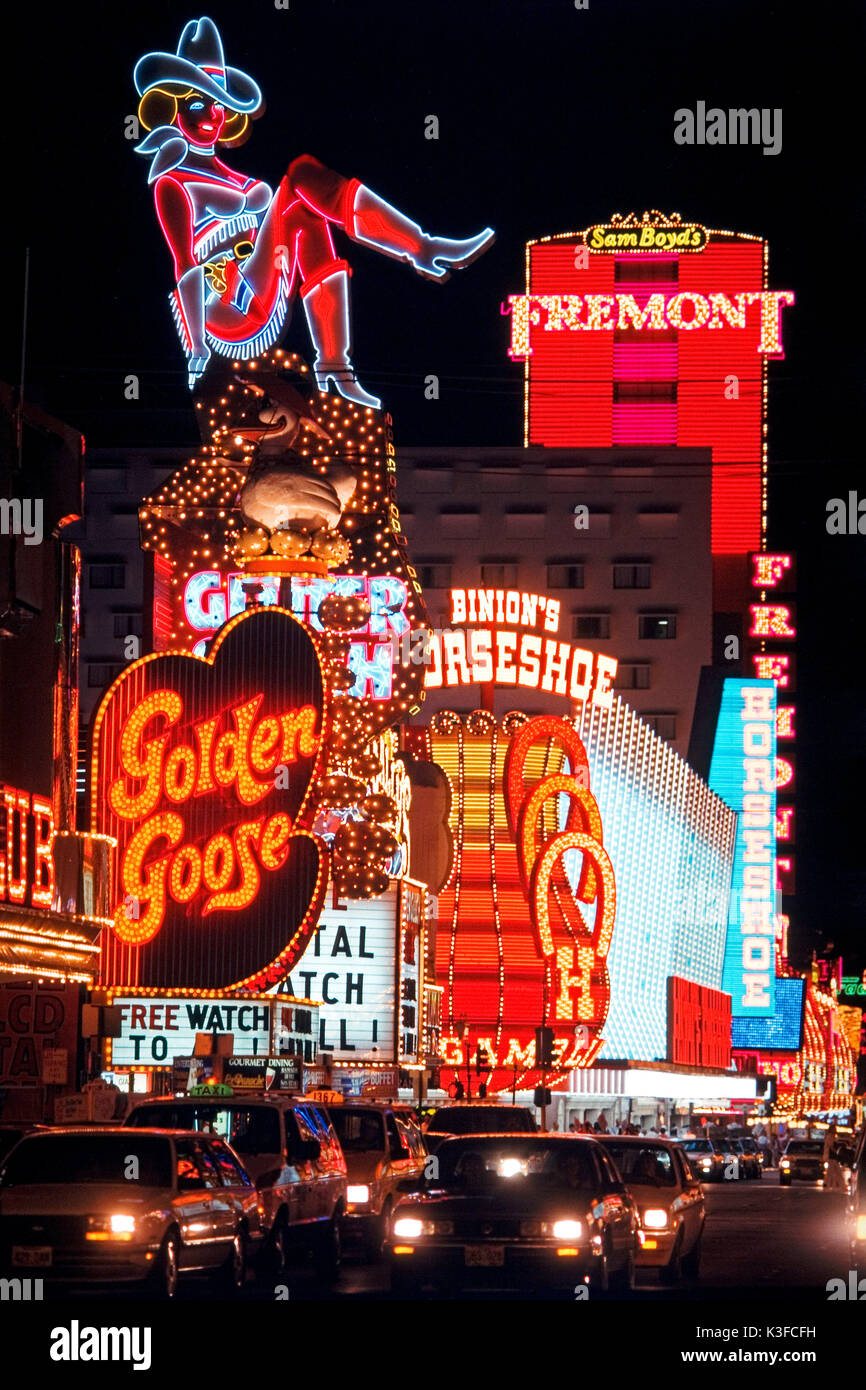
{"points": [[550, 118]]}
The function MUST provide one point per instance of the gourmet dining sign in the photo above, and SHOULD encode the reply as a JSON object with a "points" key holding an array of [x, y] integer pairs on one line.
{"points": [[202, 770]]}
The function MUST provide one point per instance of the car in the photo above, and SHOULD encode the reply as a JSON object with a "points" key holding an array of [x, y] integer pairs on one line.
{"points": [[856, 1206], [292, 1151], [532, 1212], [705, 1159], [382, 1147], [802, 1159], [477, 1119], [735, 1162], [670, 1202], [11, 1133], [95, 1206], [754, 1157]]}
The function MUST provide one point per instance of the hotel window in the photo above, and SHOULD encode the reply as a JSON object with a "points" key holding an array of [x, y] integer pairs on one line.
{"points": [[659, 626], [107, 575], [433, 479], [101, 675], [565, 576], [636, 576], [658, 521], [665, 725], [592, 626], [128, 625], [459, 521], [632, 676], [499, 575], [434, 574], [526, 522]]}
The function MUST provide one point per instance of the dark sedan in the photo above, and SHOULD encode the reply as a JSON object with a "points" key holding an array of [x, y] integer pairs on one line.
{"points": [[535, 1213]]}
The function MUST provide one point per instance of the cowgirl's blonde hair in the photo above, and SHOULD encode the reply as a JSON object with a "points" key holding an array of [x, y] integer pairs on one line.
{"points": [[159, 105]]}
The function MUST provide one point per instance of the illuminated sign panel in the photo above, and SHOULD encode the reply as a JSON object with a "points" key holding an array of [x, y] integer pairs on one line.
{"points": [[364, 965], [781, 1033], [743, 771], [670, 841], [654, 333], [156, 1028], [26, 848], [499, 654], [202, 771], [699, 1025]]}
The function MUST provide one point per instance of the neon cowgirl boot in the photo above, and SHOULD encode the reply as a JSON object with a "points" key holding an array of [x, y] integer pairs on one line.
{"points": [[373, 222], [326, 305]]}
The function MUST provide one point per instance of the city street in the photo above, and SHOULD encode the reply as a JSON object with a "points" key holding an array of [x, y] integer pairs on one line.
{"points": [[761, 1241]]}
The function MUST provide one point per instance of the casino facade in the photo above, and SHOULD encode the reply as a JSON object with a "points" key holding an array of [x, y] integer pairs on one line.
{"points": [[548, 777]]}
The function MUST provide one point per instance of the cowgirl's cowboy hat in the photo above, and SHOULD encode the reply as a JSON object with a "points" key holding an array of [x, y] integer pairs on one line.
{"points": [[199, 62]]}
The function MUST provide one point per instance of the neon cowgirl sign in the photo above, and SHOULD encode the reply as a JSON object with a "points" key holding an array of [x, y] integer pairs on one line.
{"points": [[239, 248], [202, 770], [210, 598]]}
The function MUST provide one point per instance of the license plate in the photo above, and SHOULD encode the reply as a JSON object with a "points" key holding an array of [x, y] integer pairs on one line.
{"points": [[486, 1255], [31, 1256]]}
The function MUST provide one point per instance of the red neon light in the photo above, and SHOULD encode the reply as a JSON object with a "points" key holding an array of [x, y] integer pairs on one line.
{"points": [[771, 620], [769, 570]]}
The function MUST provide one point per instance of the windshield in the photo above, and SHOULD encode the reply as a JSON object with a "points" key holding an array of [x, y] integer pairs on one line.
{"points": [[527, 1166], [805, 1146], [89, 1158], [482, 1119], [359, 1131], [250, 1129], [697, 1146], [643, 1165]]}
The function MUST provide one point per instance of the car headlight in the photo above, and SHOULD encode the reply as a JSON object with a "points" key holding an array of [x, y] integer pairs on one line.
{"points": [[706, 1164], [655, 1219], [567, 1230], [861, 1226], [785, 1163], [408, 1228], [117, 1226], [358, 1195]]}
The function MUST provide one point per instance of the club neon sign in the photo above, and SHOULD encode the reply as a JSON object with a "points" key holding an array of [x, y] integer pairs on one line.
{"points": [[26, 848], [687, 310]]}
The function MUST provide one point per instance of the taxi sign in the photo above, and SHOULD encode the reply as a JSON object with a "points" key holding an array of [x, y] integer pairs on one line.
{"points": [[326, 1097], [217, 1089]]}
